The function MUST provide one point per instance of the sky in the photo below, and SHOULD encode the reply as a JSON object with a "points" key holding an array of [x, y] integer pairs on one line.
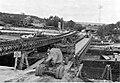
{"points": [[76, 10]]}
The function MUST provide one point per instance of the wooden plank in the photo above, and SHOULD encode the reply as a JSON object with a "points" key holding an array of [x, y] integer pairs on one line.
{"points": [[36, 64], [16, 59], [26, 60], [68, 66], [79, 71], [22, 61], [6, 67]]}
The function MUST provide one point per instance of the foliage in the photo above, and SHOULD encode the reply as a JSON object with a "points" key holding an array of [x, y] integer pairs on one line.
{"points": [[53, 21], [118, 24], [106, 30], [101, 31], [22, 20], [111, 30], [16, 19], [78, 27], [70, 24]]}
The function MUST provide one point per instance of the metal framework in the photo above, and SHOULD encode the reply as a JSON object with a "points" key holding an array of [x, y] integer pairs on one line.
{"points": [[27, 44]]}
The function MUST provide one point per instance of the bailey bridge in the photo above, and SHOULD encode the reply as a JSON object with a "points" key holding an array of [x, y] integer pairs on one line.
{"points": [[81, 46], [31, 43]]}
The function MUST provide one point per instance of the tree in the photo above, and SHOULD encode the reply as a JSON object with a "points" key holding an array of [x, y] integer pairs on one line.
{"points": [[56, 20], [51, 18], [70, 23], [110, 29], [101, 31], [118, 24], [78, 27], [53, 21]]}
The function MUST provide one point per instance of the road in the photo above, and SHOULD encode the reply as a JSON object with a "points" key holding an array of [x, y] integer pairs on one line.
{"points": [[7, 37]]}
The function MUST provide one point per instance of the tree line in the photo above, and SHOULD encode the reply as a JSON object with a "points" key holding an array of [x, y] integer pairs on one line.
{"points": [[69, 25], [110, 30], [19, 20]]}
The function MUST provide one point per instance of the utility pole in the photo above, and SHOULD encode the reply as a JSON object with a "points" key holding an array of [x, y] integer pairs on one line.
{"points": [[99, 17]]}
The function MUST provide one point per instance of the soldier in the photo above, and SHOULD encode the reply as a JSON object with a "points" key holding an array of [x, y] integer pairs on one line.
{"points": [[54, 56]]}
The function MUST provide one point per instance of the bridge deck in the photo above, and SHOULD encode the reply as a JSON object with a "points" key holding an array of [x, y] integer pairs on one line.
{"points": [[81, 44]]}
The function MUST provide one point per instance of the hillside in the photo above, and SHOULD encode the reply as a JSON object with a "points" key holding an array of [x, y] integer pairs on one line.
{"points": [[16, 19]]}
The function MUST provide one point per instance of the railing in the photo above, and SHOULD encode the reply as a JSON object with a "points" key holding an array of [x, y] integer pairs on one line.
{"points": [[78, 56], [82, 52]]}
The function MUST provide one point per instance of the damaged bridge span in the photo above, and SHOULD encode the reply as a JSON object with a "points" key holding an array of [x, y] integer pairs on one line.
{"points": [[27, 44]]}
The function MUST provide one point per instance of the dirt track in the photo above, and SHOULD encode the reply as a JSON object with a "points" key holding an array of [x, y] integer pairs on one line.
{"points": [[10, 75]]}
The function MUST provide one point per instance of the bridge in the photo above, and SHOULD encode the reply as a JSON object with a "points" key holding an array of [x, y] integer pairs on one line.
{"points": [[27, 44], [81, 47]]}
